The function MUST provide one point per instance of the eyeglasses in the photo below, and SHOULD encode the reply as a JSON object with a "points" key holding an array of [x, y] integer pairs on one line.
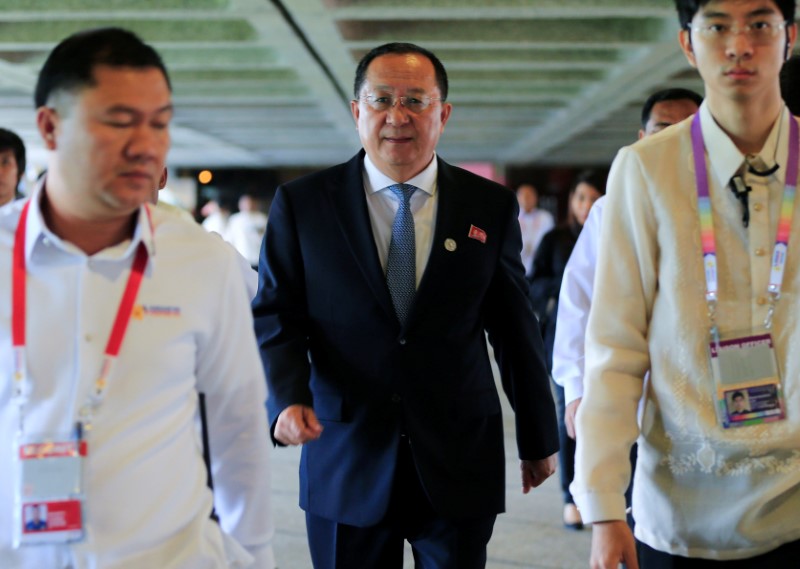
{"points": [[759, 32], [382, 102]]}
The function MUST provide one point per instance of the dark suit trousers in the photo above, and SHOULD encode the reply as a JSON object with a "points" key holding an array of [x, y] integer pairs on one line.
{"points": [[436, 543], [785, 556]]}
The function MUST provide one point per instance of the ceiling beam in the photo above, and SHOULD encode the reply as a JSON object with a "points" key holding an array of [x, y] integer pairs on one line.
{"points": [[646, 70]]}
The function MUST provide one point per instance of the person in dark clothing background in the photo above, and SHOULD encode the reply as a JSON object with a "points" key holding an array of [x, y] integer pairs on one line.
{"points": [[545, 284]]}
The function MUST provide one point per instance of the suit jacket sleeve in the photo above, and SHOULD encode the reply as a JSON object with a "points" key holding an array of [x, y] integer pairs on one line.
{"points": [[519, 350]]}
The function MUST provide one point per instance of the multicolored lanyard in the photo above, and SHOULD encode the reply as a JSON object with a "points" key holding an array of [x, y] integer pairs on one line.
{"points": [[707, 222], [19, 307]]}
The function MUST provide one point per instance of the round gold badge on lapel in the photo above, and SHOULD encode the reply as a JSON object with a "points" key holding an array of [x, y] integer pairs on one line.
{"points": [[450, 244]]}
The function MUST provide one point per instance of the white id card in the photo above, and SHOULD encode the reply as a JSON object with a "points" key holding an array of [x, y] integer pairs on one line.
{"points": [[747, 381], [49, 493]]}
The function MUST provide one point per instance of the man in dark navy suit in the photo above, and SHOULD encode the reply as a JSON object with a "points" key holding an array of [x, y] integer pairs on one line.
{"points": [[379, 279]]}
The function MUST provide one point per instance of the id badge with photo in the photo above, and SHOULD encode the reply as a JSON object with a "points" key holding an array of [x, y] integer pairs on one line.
{"points": [[49, 494], [747, 381]]}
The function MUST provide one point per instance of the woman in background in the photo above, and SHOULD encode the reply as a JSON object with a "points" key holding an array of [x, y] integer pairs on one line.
{"points": [[548, 270]]}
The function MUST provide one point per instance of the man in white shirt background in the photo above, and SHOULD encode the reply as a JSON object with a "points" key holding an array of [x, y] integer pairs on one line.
{"points": [[660, 110], [533, 223], [245, 229], [667, 107], [118, 380], [215, 216], [250, 276], [704, 495]]}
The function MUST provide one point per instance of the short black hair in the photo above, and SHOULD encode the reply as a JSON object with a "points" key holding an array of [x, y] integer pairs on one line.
{"points": [[675, 94], [687, 9], [790, 84], [737, 395], [10, 140], [398, 48], [71, 64]]}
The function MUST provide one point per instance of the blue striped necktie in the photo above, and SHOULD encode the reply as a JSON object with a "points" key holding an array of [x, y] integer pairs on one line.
{"points": [[401, 264]]}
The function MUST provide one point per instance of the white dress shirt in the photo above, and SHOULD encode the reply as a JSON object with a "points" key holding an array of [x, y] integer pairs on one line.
{"points": [[148, 504], [699, 490], [245, 231], [382, 204], [533, 225], [574, 303]]}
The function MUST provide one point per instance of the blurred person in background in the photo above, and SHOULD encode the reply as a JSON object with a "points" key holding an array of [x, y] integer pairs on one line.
{"points": [[790, 84], [548, 268], [661, 110], [246, 228], [533, 223], [215, 214], [12, 165]]}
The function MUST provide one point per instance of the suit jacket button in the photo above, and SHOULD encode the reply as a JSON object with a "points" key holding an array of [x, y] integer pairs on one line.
{"points": [[396, 398], [402, 341]]}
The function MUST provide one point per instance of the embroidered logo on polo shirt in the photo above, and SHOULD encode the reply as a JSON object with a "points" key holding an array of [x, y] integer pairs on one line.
{"points": [[142, 310]]}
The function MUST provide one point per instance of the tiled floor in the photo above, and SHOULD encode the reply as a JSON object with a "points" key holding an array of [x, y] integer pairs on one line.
{"points": [[529, 535]]}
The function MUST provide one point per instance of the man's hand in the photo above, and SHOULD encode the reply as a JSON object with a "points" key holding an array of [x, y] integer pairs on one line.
{"points": [[612, 544], [297, 424], [534, 472], [569, 416]]}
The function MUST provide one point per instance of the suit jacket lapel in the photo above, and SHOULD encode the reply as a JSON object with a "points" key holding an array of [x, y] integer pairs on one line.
{"points": [[350, 208]]}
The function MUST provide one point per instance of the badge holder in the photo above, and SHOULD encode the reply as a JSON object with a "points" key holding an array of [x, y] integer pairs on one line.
{"points": [[49, 492], [747, 380]]}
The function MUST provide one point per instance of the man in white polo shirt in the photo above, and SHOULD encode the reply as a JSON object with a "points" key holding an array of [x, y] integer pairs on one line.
{"points": [[121, 316]]}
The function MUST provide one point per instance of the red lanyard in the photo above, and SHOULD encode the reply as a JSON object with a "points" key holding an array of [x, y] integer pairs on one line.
{"points": [[18, 309]]}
